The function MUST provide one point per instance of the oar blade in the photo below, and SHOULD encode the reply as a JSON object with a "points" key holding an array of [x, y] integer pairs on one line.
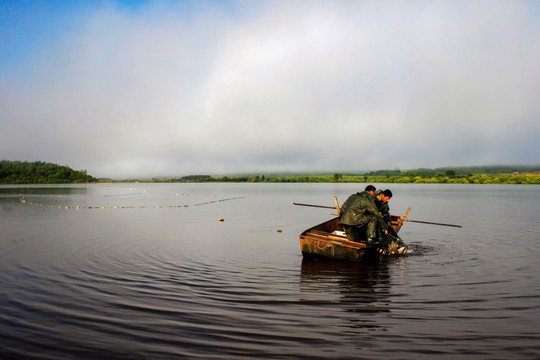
{"points": [[434, 223]]}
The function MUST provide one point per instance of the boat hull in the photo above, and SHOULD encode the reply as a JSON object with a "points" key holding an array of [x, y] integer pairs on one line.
{"points": [[328, 241]]}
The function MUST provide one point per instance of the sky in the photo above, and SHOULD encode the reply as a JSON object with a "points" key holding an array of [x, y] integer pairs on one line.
{"points": [[128, 89]]}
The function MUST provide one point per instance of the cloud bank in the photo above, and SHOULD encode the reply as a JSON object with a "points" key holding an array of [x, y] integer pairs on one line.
{"points": [[221, 88]]}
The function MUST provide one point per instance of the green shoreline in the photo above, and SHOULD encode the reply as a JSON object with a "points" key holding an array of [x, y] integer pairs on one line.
{"points": [[532, 179], [23, 173]]}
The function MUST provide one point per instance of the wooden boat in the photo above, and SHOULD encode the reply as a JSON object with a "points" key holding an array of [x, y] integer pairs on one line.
{"points": [[327, 240]]}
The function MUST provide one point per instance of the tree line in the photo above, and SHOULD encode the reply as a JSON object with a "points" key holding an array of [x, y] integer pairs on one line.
{"points": [[414, 178], [38, 172], [23, 172]]}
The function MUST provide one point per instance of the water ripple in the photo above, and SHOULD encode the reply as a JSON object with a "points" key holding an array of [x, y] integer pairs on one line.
{"points": [[179, 284]]}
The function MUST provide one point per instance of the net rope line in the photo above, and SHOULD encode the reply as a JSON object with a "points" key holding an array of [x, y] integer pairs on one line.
{"points": [[325, 246], [79, 207]]}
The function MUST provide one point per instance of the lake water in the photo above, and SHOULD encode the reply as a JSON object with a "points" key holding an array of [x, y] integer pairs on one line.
{"points": [[149, 272]]}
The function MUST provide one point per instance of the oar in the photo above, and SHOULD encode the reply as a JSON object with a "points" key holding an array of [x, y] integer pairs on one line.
{"points": [[336, 203], [404, 219], [324, 207], [433, 223], [318, 206]]}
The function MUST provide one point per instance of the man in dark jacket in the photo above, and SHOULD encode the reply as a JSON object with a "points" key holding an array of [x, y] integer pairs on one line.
{"points": [[360, 217], [381, 200]]}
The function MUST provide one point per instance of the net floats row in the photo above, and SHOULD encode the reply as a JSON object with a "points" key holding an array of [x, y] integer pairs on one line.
{"points": [[102, 207]]}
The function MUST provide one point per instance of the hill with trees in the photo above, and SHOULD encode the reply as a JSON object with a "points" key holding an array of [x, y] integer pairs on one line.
{"points": [[23, 172], [454, 175], [461, 171]]}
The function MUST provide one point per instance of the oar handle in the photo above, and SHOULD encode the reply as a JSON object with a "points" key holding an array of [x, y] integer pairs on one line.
{"points": [[318, 206], [338, 209]]}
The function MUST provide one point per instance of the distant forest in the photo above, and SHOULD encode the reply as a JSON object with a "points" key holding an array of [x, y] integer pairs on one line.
{"points": [[450, 175], [23, 172]]}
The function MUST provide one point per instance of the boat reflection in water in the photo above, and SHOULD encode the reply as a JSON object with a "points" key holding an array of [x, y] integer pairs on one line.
{"points": [[350, 292]]}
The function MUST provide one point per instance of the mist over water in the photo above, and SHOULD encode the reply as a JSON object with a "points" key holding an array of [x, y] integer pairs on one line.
{"points": [[148, 271]]}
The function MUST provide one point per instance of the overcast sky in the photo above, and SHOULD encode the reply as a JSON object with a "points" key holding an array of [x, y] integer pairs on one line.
{"points": [[173, 88]]}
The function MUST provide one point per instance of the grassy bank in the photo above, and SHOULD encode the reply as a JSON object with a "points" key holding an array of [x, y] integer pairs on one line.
{"points": [[339, 178]]}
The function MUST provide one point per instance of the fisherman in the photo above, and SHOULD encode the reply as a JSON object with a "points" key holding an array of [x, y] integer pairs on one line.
{"points": [[381, 200], [360, 217]]}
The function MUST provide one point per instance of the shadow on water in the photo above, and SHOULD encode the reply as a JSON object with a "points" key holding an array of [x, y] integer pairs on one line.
{"points": [[359, 290], [350, 274]]}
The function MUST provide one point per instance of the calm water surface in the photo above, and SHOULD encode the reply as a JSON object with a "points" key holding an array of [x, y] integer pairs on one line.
{"points": [[148, 272]]}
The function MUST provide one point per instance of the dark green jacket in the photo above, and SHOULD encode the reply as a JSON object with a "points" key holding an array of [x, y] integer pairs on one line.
{"points": [[359, 209], [383, 207]]}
